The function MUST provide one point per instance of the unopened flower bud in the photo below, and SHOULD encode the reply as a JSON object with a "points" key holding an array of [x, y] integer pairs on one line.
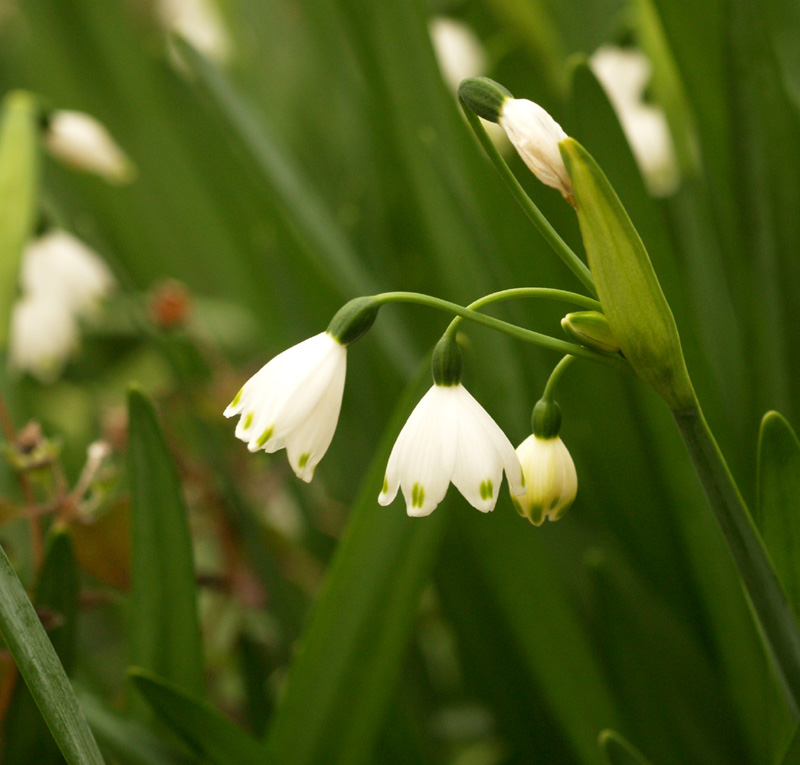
{"points": [[590, 329], [80, 141]]}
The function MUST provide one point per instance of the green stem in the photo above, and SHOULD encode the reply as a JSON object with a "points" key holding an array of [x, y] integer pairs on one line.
{"points": [[563, 250], [555, 376], [512, 330], [773, 612], [545, 293]]}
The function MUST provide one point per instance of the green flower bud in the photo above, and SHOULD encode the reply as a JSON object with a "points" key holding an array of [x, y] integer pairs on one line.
{"points": [[633, 302], [353, 319], [447, 362], [590, 329], [483, 96]]}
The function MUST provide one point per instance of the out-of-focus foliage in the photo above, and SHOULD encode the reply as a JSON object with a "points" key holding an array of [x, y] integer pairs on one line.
{"points": [[317, 155]]}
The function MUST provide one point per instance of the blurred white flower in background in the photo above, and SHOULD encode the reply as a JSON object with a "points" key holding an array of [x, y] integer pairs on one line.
{"points": [[44, 334], [81, 142], [201, 23], [461, 55], [624, 74], [62, 281], [60, 266]]}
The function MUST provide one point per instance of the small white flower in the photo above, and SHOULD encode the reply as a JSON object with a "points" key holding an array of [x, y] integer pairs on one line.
{"points": [[201, 23], [458, 50], [536, 135], [624, 74], [44, 333], [450, 437], [293, 402], [551, 482], [63, 268], [80, 141]]}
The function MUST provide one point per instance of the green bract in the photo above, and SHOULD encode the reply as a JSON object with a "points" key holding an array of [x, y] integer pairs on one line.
{"points": [[633, 302]]}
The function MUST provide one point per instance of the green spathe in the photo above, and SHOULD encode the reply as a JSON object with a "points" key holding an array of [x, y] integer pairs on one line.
{"points": [[354, 319], [633, 302]]}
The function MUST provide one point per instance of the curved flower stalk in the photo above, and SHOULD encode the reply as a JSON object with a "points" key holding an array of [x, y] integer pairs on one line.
{"points": [[80, 141], [293, 402], [449, 438]]}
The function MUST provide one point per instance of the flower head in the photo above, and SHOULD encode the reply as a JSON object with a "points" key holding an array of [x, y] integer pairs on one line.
{"points": [[80, 141], [551, 482], [293, 402], [61, 267], [450, 437], [44, 333], [536, 135]]}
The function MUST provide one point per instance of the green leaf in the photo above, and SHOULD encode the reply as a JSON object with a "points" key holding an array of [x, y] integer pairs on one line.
{"points": [[164, 627], [27, 739], [791, 755], [211, 735], [127, 738], [42, 671], [325, 241], [618, 751], [19, 181], [350, 655], [777, 515], [627, 285]]}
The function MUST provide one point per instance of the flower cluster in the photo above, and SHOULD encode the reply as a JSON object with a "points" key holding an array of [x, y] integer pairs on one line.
{"points": [[63, 281], [293, 402]]}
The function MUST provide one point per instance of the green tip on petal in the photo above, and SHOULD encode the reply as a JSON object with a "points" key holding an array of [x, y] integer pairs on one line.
{"points": [[264, 437], [385, 487], [486, 489], [248, 420], [301, 463], [237, 398], [417, 495]]}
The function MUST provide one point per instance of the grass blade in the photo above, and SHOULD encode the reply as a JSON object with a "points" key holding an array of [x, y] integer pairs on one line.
{"points": [[165, 632], [42, 671], [213, 737]]}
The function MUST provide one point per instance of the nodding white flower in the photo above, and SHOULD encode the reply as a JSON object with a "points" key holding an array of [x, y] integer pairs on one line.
{"points": [[44, 333], [80, 141], [201, 23], [450, 437], [293, 402], [536, 135], [63, 268], [624, 74], [458, 50], [551, 482]]}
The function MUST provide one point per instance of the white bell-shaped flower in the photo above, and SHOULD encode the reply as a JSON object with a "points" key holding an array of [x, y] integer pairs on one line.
{"points": [[536, 135], [80, 141], [293, 402], [450, 437], [551, 481], [64, 269], [44, 333]]}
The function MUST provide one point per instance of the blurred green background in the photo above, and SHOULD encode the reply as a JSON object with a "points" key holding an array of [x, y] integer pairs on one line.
{"points": [[325, 157]]}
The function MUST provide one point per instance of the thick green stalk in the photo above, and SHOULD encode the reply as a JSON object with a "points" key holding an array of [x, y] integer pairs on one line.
{"points": [[773, 612], [551, 236]]}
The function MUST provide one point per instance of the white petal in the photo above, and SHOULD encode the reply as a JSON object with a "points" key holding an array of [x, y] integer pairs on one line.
{"points": [[478, 470], [504, 447], [536, 135], [458, 50]]}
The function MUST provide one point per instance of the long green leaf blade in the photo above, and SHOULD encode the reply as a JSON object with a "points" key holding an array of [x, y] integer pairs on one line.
{"points": [[19, 179], [165, 632], [211, 735], [42, 671], [27, 739], [777, 513], [349, 657], [618, 751]]}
